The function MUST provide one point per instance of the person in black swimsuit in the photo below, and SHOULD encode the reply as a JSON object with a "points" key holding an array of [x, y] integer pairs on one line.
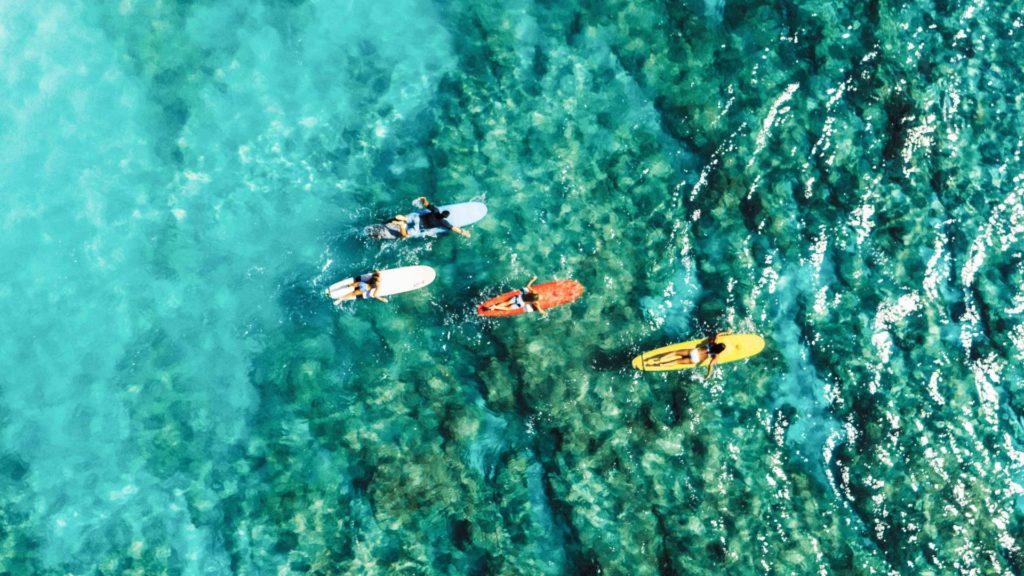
{"points": [[713, 348], [436, 218], [709, 348]]}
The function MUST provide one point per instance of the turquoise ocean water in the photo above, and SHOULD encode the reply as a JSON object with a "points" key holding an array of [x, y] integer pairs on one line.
{"points": [[182, 180]]}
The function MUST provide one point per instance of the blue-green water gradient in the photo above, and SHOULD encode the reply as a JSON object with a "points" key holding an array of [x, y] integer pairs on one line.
{"points": [[182, 180]]}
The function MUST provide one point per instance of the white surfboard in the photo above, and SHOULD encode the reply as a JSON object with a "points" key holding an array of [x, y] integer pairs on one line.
{"points": [[393, 281], [461, 215]]}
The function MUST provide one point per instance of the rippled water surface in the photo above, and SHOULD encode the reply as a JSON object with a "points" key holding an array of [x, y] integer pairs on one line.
{"points": [[182, 180]]}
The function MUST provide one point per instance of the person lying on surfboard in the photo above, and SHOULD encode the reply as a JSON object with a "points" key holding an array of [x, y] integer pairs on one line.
{"points": [[436, 218], [400, 222], [710, 348], [362, 288], [526, 299]]}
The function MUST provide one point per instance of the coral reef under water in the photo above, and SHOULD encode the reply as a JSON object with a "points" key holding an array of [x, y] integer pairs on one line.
{"points": [[842, 178]]}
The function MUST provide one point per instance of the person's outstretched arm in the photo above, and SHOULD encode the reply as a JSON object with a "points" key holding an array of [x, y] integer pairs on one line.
{"points": [[532, 280], [711, 365]]}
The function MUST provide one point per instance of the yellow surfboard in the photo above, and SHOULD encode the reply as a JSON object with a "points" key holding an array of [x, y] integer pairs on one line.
{"points": [[737, 347]]}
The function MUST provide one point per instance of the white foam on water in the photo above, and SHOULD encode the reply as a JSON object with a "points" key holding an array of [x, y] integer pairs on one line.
{"points": [[889, 313], [862, 219], [936, 270], [778, 109], [1002, 230], [987, 374]]}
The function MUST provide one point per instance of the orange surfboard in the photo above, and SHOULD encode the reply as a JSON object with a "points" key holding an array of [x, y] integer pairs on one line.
{"points": [[552, 294]]}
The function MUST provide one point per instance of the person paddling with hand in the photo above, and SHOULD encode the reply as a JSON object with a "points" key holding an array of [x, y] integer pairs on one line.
{"points": [[436, 218]]}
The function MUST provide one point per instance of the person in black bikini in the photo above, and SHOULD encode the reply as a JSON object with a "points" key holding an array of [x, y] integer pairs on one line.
{"points": [[436, 218], [362, 287]]}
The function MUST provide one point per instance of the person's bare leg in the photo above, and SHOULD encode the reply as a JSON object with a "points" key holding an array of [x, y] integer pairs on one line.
{"points": [[670, 358]]}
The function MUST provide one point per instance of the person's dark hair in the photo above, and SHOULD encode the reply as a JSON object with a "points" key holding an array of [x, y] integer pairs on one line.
{"points": [[716, 348], [531, 297], [445, 214]]}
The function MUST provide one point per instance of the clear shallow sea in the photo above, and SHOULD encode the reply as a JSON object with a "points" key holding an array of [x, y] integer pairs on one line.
{"points": [[180, 182]]}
